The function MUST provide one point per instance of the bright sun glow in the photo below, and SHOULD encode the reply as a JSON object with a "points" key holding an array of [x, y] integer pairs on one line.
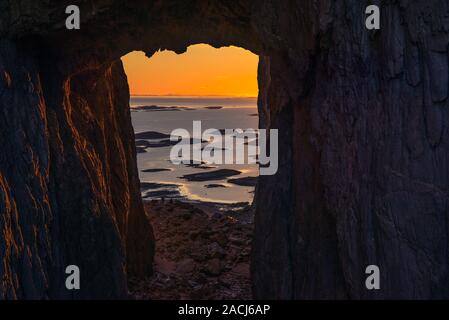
{"points": [[201, 71]]}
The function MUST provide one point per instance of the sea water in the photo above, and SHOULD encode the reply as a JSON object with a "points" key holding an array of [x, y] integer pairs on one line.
{"points": [[235, 113]]}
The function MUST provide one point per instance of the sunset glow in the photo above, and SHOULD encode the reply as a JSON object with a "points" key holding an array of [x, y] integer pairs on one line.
{"points": [[201, 71]]}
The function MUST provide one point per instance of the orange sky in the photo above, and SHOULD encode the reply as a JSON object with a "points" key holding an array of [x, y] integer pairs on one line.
{"points": [[201, 71]]}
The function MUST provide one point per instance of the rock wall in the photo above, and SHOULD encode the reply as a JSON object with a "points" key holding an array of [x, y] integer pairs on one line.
{"points": [[69, 183], [363, 124], [366, 177]]}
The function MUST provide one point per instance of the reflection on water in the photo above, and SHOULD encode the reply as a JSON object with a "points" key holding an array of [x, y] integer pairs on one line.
{"points": [[236, 113]]}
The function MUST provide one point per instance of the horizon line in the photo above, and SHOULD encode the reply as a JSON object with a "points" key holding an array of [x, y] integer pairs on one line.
{"points": [[190, 95]]}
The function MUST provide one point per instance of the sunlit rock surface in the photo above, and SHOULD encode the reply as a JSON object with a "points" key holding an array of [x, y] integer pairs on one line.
{"points": [[69, 187]]}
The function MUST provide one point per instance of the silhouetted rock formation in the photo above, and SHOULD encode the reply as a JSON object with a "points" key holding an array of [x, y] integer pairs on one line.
{"points": [[364, 150], [69, 185]]}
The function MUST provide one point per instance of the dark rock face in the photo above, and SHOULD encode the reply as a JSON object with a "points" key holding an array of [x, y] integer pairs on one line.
{"points": [[363, 124], [369, 157], [69, 183]]}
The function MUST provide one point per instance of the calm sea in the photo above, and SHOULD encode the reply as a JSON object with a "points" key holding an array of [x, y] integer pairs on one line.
{"points": [[236, 113]]}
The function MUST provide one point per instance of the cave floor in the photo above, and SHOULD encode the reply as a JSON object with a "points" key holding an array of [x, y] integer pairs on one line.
{"points": [[199, 254]]}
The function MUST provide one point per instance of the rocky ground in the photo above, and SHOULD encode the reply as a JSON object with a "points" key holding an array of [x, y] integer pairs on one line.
{"points": [[200, 253]]}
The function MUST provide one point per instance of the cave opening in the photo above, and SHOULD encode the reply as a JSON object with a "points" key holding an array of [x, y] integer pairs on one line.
{"points": [[202, 212]]}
